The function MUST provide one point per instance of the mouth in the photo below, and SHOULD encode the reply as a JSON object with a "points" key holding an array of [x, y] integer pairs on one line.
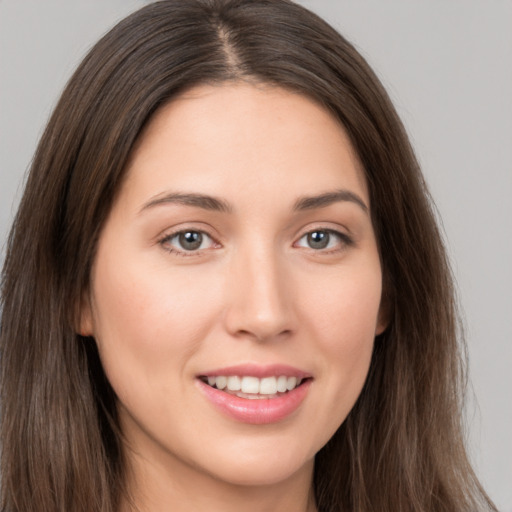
{"points": [[254, 388], [256, 394]]}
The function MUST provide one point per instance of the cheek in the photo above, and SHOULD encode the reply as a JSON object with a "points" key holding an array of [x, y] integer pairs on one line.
{"points": [[147, 318], [352, 327], [346, 308], [343, 316]]}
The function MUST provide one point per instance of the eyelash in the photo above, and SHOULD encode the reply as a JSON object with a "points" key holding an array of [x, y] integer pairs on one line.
{"points": [[165, 241], [344, 240]]}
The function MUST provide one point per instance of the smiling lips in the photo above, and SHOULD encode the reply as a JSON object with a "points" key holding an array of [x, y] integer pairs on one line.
{"points": [[256, 395], [253, 387]]}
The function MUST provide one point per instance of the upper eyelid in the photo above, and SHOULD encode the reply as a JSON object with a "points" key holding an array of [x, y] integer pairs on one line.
{"points": [[171, 232], [341, 231], [340, 234]]}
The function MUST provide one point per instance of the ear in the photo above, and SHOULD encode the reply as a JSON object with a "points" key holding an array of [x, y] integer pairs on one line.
{"points": [[384, 316], [85, 322], [382, 322]]}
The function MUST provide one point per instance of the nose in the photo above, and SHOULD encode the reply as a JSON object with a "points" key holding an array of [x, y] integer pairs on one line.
{"points": [[260, 298]]}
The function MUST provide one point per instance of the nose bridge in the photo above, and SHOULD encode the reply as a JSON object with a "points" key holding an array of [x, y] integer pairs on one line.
{"points": [[260, 304]]}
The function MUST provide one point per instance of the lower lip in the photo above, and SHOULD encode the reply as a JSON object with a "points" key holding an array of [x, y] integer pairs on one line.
{"points": [[257, 411]]}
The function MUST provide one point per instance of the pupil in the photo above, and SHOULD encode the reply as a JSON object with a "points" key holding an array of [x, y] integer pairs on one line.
{"points": [[318, 239], [191, 240]]}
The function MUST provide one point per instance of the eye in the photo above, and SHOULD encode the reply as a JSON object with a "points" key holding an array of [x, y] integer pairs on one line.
{"points": [[322, 239], [188, 241]]}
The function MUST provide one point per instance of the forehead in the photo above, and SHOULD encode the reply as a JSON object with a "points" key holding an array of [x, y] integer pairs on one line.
{"points": [[234, 136]]}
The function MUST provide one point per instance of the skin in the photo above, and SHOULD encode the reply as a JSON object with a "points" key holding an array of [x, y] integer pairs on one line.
{"points": [[254, 292]]}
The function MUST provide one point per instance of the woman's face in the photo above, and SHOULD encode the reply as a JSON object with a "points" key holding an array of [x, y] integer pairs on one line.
{"points": [[239, 253]]}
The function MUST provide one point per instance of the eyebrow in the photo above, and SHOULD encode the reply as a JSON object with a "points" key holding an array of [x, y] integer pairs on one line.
{"points": [[211, 203], [328, 198], [190, 199]]}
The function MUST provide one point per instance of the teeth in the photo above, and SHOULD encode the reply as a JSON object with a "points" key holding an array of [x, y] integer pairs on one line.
{"points": [[268, 386], [291, 382], [221, 382], [234, 383], [281, 384], [247, 385], [250, 385], [254, 397]]}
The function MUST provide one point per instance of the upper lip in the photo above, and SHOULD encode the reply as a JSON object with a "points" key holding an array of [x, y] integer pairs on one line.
{"points": [[257, 370]]}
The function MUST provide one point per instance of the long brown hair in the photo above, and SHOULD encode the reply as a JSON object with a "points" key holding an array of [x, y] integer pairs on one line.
{"points": [[401, 447]]}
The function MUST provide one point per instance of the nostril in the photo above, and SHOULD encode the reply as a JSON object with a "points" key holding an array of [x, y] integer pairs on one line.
{"points": [[263, 335]]}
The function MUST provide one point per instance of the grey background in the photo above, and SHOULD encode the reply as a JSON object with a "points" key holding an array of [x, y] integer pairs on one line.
{"points": [[448, 68]]}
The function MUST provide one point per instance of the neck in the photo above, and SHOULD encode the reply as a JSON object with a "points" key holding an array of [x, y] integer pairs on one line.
{"points": [[156, 488]]}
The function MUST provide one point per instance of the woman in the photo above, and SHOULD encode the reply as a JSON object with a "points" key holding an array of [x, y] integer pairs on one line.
{"points": [[225, 286]]}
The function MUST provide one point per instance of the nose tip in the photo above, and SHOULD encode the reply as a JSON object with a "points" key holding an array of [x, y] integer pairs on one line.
{"points": [[262, 328], [260, 302]]}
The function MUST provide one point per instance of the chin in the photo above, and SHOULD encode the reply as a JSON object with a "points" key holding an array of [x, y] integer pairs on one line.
{"points": [[259, 465], [271, 471]]}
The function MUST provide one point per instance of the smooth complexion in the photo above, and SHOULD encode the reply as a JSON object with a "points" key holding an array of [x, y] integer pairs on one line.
{"points": [[241, 238]]}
